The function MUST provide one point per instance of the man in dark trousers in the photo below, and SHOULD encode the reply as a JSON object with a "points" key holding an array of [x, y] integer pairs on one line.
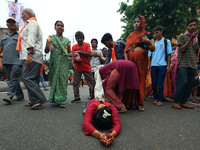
{"points": [[11, 61]]}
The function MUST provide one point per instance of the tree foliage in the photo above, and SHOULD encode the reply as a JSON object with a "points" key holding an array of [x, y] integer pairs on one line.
{"points": [[171, 14]]}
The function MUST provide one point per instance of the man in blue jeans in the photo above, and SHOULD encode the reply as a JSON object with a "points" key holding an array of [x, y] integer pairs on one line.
{"points": [[186, 67], [160, 64]]}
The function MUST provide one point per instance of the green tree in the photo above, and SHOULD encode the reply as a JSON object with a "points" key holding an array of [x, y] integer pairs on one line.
{"points": [[171, 14]]}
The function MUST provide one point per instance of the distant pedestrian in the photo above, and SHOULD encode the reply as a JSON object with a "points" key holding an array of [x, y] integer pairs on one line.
{"points": [[11, 61], [160, 64], [96, 59], [115, 48], [81, 63], [104, 51], [195, 86], [42, 78], [97, 55], [186, 68], [30, 47]]}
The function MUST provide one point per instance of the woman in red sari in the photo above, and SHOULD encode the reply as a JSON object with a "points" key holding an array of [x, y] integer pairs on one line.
{"points": [[137, 45]]}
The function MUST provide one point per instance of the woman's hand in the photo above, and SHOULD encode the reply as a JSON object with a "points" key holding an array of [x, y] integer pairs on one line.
{"points": [[51, 48], [104, 139], [144, 39]]}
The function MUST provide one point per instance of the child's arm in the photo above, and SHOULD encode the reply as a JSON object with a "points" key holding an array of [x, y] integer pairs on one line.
{"points": [[197, 77]]}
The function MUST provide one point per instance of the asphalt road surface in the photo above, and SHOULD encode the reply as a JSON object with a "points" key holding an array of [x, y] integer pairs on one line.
{"points": [[53, 128]]}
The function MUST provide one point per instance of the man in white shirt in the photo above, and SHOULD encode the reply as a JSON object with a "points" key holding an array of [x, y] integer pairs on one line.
{"points": [[30, 45], [97, 56]]}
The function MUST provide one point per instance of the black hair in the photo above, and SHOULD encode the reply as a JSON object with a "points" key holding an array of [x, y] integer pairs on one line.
{"points": [[79, 34], [59, 21], [138, 17], [158, 28], [106, 37], [192, 20], [94, 40], [101, 118], [104, 48]]}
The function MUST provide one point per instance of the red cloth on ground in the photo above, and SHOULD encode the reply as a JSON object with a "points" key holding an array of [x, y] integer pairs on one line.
{"points": [[90, 111], [128, 78], [110, 87], [84, 64]]}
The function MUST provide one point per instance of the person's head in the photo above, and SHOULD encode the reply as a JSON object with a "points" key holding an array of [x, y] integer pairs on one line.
{"points": [[139, 23], [79, 37], [158, 31], [11, 24], [107, 40], [94, 43], [191, 25], [104, 51], [13, 15], [103, 118], [59, 27], [27, 13]]}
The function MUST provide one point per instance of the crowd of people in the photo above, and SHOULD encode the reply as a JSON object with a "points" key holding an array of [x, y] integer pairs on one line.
{"points": [[116, 76]]}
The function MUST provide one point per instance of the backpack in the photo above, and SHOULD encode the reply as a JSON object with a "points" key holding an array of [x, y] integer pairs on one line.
{"points": [[165, 42]]}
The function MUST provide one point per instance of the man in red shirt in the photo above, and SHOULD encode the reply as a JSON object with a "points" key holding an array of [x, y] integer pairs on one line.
{"points": [[81, 63]]}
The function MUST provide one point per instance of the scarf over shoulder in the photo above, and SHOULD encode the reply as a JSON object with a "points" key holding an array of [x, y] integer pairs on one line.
{"points": [[134, 37]]}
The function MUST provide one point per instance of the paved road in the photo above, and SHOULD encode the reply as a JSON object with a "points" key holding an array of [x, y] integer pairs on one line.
{"points": [[53, 128]]}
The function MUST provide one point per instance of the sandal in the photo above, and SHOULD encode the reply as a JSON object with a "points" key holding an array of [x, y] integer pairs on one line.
{"points": [[62, 106], [159, 103], [187, 106], [36, 106], [155, 101], [195, 101], [140, 108], [28, 105], [122, 110], [176, 106]]}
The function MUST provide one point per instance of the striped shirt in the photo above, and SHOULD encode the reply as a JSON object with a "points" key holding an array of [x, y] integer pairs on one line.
{"points": [[186, 58]]}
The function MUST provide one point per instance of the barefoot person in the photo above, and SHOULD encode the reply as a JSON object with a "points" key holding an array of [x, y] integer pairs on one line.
{"points": [[186, 67]]}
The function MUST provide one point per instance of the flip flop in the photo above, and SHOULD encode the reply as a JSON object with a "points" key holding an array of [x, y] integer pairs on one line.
{"points": [[176, 106], [155, 101], [36, 106], [195, 101], [140, 108], [62, 106], [187, 106], [27, 105], [159, 103]]}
